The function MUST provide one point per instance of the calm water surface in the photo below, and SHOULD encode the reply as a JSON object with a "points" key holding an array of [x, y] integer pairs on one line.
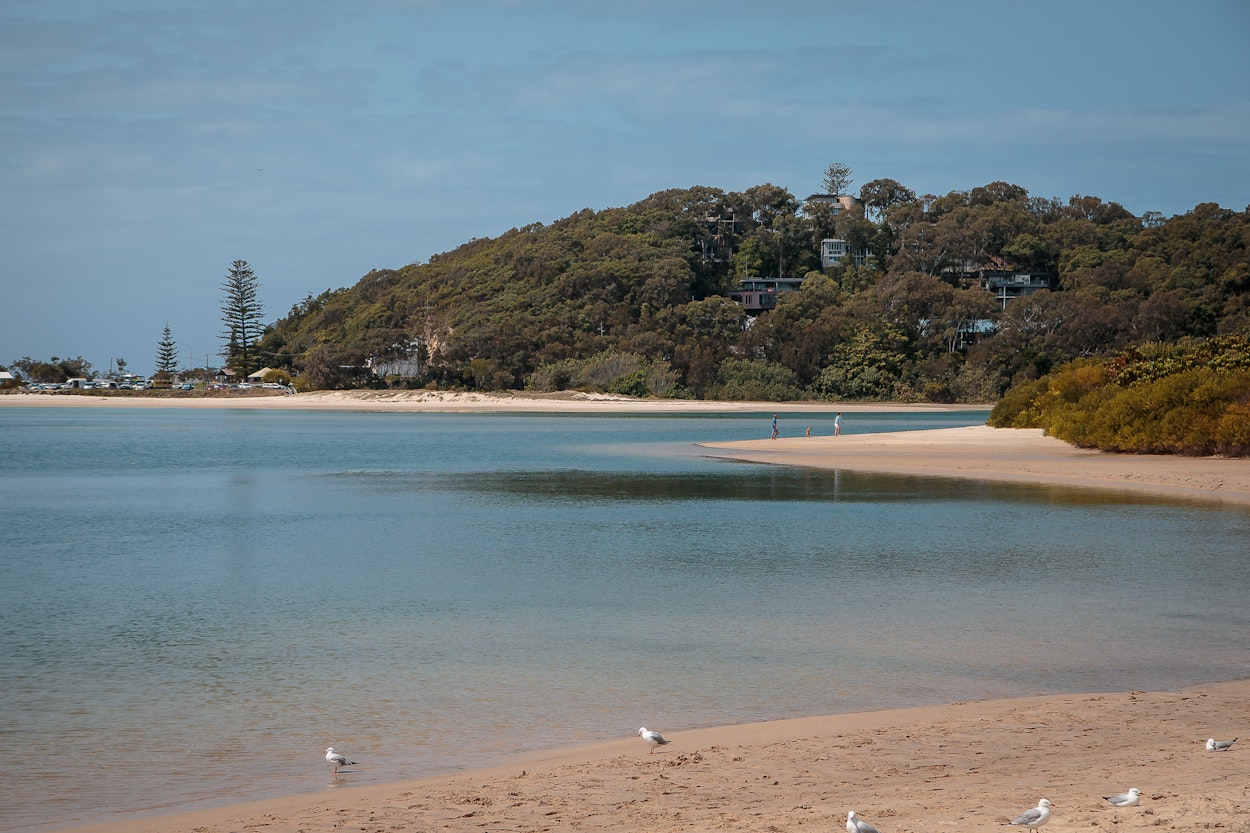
{"points": [[196, 604]]}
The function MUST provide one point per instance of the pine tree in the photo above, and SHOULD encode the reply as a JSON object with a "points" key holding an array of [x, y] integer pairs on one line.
{"points": [[837, 179], [166, 353], [241, 313]]}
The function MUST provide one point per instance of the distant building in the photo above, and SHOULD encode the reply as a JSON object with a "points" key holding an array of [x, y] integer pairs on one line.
{"points": [[1007, 285], [403, 368], [717, 242], [839, 203], [836, 252], [760, 294], [994, 276]]}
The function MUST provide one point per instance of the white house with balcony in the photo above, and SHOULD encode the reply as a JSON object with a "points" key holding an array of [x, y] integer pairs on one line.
{"points": [[836, 252]]}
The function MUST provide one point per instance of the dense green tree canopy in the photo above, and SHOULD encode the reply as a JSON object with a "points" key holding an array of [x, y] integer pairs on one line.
{"points": [[635, 297], [55, 370]]}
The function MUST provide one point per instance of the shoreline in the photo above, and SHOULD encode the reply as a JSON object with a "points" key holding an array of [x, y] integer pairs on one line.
{"points": [[573, 402], [926, 769], [976, 452]]}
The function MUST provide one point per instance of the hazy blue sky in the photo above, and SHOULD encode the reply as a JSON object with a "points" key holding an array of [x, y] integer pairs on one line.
{"points": [[146, 144]]}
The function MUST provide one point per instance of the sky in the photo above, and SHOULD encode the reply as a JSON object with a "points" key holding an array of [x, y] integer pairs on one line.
{"points": [[145, 145]]}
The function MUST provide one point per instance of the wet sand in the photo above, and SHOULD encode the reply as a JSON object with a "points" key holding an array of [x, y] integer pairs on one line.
{"points": [[946, 769]]}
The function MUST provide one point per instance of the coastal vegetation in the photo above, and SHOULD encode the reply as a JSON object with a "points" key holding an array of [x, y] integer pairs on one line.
{"points": [[1192, 398], [634, 300]]}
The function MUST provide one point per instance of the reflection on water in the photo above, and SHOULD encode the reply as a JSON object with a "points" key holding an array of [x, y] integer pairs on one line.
{"points": [[200, 588]]}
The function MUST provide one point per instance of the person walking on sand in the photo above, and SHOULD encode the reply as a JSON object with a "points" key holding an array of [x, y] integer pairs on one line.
{"points": [[774, 433], [837, 425]]}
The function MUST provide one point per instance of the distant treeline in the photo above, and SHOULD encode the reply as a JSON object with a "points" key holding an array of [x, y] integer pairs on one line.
{"points": [[633, 300], [1187, 398]]}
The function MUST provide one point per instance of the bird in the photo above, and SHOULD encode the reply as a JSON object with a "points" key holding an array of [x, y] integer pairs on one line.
{"points": [[653, 738], [335, 758], [1034, 818], [1129, 799], [1214, 745], [854, 824]]}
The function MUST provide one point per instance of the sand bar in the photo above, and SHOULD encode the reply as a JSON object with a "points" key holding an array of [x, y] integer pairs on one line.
{"points": [[1003, 454], [946, 769]]}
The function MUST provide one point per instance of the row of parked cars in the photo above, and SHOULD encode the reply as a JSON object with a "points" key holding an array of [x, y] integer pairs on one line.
{"points": [[102, 384]]}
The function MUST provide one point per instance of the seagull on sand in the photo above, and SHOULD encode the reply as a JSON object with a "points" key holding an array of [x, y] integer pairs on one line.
{"points": [[653, 738], [854, 824], [1214, 745], [1129, 799], [1034, 818], [335, 758]]}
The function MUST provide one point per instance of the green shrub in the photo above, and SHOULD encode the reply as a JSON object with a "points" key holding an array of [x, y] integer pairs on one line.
{"points": [[1189, 399], [742, 380]]}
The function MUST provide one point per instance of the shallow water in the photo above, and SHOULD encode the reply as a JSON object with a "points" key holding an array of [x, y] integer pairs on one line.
{"points": [[197, 603]]}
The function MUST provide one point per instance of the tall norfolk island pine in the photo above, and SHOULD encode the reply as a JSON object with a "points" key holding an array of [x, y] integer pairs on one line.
{"points": [[241, 313], [166, 353]]}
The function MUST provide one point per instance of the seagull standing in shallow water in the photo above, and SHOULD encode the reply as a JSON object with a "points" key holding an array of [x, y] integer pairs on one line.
{"points": [[854, 824], [1129, 799], [335, 758], [653, 738], [1034, 818], [1214, 745]]}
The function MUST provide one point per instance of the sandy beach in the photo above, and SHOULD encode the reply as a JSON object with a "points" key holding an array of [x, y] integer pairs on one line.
{"points": [[1004, 454], [449, 402], [945, 769]]}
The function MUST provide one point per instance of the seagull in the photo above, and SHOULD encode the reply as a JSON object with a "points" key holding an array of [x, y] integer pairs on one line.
{"points": [[1034, 818], [337, 759], [1129, 799], [653, 738], [1214, 745], [854, 824]]}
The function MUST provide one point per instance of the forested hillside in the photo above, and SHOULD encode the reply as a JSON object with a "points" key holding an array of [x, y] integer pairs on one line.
{"points": [[632, 300]]}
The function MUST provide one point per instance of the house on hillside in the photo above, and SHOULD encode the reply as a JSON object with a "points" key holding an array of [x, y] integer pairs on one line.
{"points": [[760, 294], [1008, 285], [836, 252], [838, 203], [401, 368]]}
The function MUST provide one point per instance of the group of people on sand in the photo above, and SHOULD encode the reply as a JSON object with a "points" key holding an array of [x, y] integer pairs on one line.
{"points": [[837, 427]]}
